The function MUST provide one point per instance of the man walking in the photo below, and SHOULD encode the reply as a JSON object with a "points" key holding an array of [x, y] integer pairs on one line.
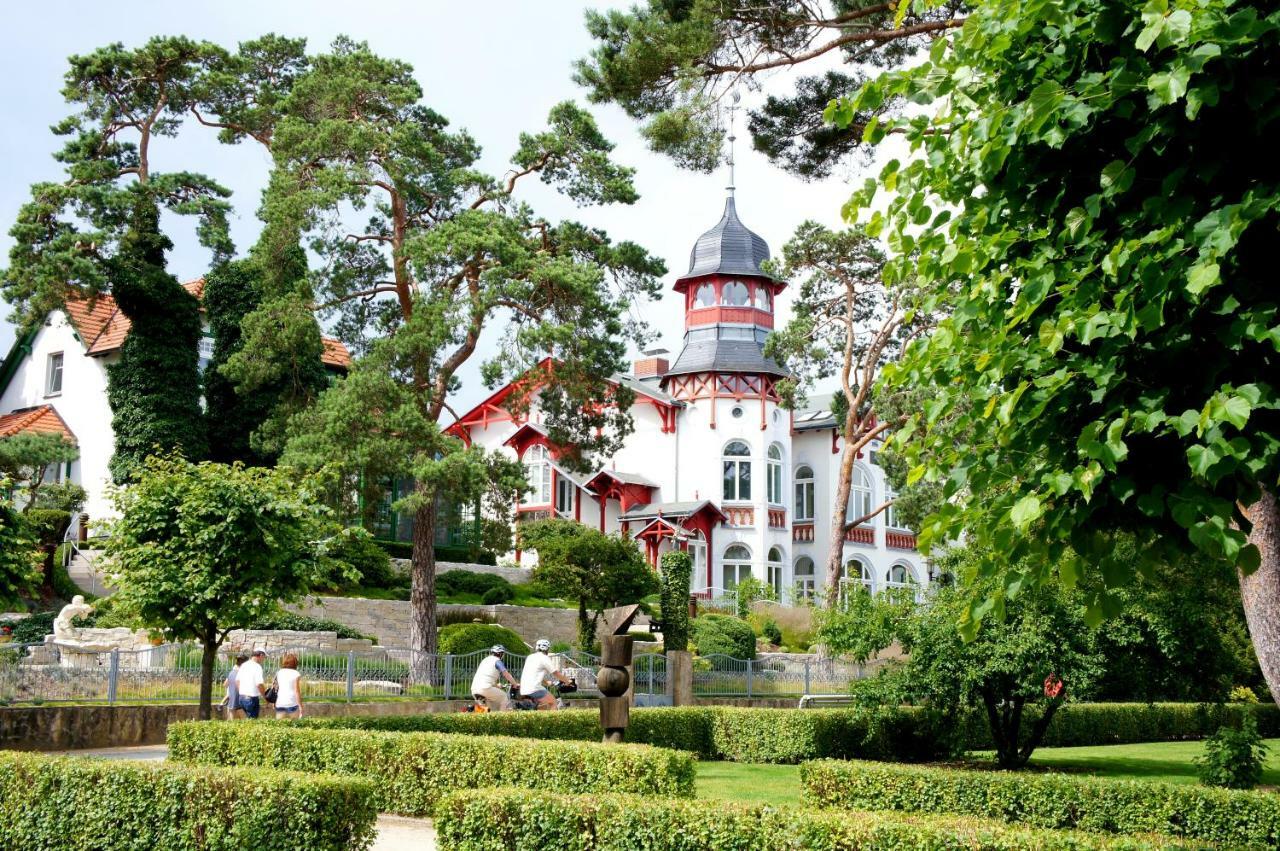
{"points": [[249, 684]]}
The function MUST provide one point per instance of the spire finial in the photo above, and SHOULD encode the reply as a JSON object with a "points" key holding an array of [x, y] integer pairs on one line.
{"points": [[733, 109]]}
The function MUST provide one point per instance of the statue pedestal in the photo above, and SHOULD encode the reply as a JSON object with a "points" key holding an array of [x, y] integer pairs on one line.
{"points": [[91, 648]]}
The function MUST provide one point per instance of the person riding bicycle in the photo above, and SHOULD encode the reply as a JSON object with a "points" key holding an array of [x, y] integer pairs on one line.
{"points": [[538, 669], [484, 685]]}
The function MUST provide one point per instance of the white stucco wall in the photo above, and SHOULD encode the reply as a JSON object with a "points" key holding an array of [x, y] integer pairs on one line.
{"points": [[82, 404]]}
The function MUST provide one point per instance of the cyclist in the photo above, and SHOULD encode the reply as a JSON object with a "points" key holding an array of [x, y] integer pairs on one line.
{"points": [[538, 668], [484, 685]]}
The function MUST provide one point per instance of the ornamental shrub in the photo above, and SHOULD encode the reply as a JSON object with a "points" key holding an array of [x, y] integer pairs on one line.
{"points": [[498, 594], [411, 771], [1233, 757], [1223, 816], [463, 638], [677, 570], [73, 804], [453, 582], [723, 635], [499, 819]]}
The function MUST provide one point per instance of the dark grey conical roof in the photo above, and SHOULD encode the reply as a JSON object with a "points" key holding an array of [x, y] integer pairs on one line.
{"points": [[728, 248]]}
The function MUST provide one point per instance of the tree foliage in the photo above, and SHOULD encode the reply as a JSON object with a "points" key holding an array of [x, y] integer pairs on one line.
{"points": [[27, 457], [580, 563], [677, 570], [202, 549], [1115, 335], [19, 558], [670, 63]]}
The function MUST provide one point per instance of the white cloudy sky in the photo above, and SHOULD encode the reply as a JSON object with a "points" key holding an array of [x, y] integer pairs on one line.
{"points": [[494, 68]]}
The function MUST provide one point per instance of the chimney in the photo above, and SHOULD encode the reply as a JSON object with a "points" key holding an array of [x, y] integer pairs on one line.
{"points": [[653, 365]]}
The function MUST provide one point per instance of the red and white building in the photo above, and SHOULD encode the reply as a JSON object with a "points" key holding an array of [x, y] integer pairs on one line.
{"points": [[715, 465], [55, 379]]}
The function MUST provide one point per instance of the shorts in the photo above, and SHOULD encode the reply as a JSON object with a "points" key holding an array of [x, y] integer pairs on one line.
{"points": [[250, 706], [495, 699], [289, 709], [537, 694]]}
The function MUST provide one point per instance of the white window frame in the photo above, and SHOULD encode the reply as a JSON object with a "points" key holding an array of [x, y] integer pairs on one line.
{"points": [[564, 487], [774, 570], [537, 474], [698, 555], [773, 474], [51, 373], [861, 495], [704, 289], [733, 290], [737, 562], [804, 582], [737, 473], [763, 298], [804, 494]]}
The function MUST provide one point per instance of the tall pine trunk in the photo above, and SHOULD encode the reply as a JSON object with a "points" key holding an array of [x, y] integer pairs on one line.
{"points": [[1260, 590], [422, 595], [839, 513]]}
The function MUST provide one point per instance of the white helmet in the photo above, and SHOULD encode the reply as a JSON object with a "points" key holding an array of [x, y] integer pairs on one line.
{"points": [[542, 645], [497, 650]]}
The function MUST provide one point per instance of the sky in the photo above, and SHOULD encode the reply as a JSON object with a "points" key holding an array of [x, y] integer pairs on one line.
{"points": [[494, 68]]}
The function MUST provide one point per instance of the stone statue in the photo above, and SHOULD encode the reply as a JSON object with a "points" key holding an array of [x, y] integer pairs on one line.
{"points": [[63, 629]]}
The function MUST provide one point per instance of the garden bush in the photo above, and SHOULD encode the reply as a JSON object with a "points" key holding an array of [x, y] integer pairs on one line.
{"points": [[1233, 757], [281, 619], [411, 771], [74, 804], [448, 617], [358, 550], [463, 638], [499, 819], [723, 634], [1231, 818], [33, 628], [453, 582], [498, 594], [459, 554]]}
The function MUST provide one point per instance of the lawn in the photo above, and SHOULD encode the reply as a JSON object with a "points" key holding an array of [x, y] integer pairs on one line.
{"points": [[1167, 762]]}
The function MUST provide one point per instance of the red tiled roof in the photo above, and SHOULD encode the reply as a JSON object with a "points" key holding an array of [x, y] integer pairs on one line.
{"points": [[40, 420], [103, 328]]}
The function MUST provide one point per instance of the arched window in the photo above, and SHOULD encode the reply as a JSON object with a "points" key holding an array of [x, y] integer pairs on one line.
{"points": [[773, 481], [774, 565], [860, 494], [735, 566], [537, 474], [735, 294], [804, 575], [704, 296], [900, 575], [804, 493], [737, 471], [764, 301], [857, 575]]}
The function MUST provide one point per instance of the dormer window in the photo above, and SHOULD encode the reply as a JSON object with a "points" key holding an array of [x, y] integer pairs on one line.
{"points": [[735, 294], [53, 375], [705, 296]]}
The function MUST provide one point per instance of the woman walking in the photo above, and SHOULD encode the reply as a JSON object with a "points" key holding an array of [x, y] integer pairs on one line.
{"points": [[231, 700], [289, 685]]}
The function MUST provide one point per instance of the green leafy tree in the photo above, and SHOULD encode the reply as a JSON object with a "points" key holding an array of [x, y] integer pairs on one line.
{"points": [[1116, 335], [202, 549], [447, 252], [670, 63], [845, 325], [27, 457], [580, 563], [677, 570], [19, 557], [860, 624]]}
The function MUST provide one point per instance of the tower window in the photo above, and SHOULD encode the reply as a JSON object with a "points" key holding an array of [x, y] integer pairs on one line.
{"points": [[737, 471], [704, 296], [735, 294], [764, 301], [773, 482]]}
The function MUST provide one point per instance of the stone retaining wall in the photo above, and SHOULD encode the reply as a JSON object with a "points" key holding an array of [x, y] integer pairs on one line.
{"points": [[388, 620], [514, 575], [276, 641]]}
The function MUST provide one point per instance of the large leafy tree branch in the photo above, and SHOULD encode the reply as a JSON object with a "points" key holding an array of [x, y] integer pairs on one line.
{"points": [[445, 252], [1116, 335], [670, 62]]}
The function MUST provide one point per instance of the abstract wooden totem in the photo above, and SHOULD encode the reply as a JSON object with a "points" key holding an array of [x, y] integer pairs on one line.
{"points": [[614, 678]]}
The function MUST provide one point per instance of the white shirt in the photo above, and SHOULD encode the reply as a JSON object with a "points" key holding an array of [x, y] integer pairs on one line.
{"points": [[287, 683], [249, 678], [488, 674], [537, 670]]}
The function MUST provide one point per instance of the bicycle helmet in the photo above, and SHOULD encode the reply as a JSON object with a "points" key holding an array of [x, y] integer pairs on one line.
{"points": [[542, 645], [497, 650]]}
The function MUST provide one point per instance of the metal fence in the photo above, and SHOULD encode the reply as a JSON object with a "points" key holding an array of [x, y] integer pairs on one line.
{"points": [[50, 673]]}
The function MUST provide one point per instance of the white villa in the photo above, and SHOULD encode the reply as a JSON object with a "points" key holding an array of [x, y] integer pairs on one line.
{"points": [[715, 465], [54, 379]]}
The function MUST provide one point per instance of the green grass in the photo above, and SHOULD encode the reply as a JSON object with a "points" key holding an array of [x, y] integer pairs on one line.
{"points": [[1166, 762], [748, 783]]}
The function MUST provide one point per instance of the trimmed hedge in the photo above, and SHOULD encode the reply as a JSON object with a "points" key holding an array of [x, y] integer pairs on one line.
{"points": [[1084, 724], [1098, 804], [711, 732], [499, 819], [411, 771], [77, 804]]}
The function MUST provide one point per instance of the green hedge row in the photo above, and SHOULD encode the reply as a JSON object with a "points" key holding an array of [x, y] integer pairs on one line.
{"points": [[1083, 724], [76, 804], [1234, 819], [711, 732], [410, 771], [499, 819]]}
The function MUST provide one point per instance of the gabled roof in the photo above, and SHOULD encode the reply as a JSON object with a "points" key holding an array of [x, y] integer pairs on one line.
{"points": [[621, 478], [677, 510], [645, 389], [43, 419], [102, 327]]}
